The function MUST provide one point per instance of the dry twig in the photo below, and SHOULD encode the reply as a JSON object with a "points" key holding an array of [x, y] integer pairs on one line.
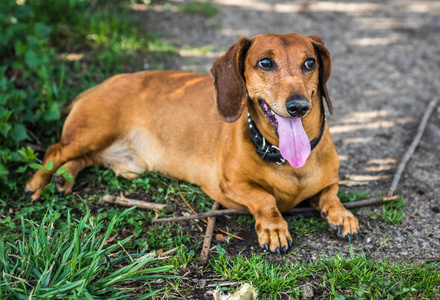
{"points": [[208, 236], [413, 146], [132, 202], [295, 211], [203, 215], [205, 221], [34, 147]]}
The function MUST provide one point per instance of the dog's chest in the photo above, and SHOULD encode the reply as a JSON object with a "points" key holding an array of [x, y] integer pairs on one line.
{"points": [[291, 187]]}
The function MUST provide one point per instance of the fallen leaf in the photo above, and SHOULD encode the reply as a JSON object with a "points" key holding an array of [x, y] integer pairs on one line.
{"points": [[219, 237], [126, 233]]}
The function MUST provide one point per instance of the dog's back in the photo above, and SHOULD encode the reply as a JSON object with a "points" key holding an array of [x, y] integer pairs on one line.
{"points": [[138, 117]]}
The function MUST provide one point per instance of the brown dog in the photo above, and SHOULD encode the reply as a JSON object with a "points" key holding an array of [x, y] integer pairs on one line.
{"points": [[166, 121]]}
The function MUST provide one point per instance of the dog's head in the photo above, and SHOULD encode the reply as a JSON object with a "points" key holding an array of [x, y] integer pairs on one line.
{"points": [[280, 73], [274, 69]]}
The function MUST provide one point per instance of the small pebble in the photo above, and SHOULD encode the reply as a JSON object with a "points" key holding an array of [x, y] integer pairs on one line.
{"points": [[307, 292]]}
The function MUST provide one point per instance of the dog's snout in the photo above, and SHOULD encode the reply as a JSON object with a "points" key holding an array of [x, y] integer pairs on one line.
{"points": [[297, 106]]}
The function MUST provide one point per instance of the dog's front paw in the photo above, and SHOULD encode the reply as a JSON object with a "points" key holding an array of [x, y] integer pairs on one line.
{"points": [[273, 234], [342, 221]]}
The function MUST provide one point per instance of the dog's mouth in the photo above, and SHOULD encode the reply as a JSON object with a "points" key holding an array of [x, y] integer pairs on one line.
{"points": [[270, 115], [294, 143]]}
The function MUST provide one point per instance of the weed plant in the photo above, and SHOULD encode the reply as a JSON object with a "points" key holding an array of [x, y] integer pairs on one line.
{"points": [[357, 195], [391, 213], [72, 262], [39, 76]]}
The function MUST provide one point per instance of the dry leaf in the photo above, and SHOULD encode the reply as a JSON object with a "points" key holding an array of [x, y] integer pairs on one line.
{"points": [[219, 237]]}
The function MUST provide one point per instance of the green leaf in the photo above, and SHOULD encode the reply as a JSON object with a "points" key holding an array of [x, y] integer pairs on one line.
{"points": [[65, 287], [61, 170], [36, 166], [49, 165], [55, 90], [32, 59], [220, 250], [4, 128], [42, 30], [53, 112], [68, 177], [19, 133], [351, 251], [26, 155], [3, 171], [21, 169], [20, 48]]}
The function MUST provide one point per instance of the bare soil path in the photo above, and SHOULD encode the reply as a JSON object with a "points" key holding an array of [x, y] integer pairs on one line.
{"points": [[386, 69]]}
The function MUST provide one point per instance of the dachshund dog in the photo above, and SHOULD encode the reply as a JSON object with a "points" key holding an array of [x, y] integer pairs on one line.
{"points": [[252, 135]]}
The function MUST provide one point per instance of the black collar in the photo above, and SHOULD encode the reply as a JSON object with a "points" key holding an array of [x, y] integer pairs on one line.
{"points": [[269, 152]]}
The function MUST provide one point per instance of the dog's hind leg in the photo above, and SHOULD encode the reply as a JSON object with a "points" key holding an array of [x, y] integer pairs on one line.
{"points": [[74, 167], [36, 184], [76, 142]]}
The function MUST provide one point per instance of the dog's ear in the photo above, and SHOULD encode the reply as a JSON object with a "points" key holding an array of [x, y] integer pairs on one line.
{"points": [[325, 67], [229, 82]]}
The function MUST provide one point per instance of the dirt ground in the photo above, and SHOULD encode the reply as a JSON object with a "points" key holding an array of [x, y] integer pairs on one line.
{"points": [[386, 68]]}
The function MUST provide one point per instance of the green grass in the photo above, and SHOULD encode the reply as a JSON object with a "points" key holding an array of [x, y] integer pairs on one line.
{"points": [[269, 279], [205, 8], [71, 260], [391, 212], [304, 226], [353, 277], [245, 220], [357, 195]]}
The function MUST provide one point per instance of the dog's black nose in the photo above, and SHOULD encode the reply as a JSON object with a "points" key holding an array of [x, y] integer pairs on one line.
{"points": [[297, 106]]}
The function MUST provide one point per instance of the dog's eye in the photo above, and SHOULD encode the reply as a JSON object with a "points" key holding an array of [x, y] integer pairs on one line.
{"points": [[266, 64], [309, 64]]}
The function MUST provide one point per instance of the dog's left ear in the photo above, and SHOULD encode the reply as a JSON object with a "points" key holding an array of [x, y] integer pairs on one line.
{"points": [[229, 82], [325, 67]]}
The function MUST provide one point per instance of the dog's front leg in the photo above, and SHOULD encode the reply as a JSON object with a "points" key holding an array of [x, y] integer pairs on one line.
{"points": [[272, 230], [338, 217]]}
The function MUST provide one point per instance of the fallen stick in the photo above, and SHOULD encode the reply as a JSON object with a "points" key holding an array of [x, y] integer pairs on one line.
{"points": [[34, 147], [299, 210], [132, 202], [206, 222], [153, 206], [208, 236], [412, 147], [203, 215], [368, 202]]}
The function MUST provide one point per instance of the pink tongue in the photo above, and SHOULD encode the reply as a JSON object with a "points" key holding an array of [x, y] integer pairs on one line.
{"points": [[294, 143]]}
